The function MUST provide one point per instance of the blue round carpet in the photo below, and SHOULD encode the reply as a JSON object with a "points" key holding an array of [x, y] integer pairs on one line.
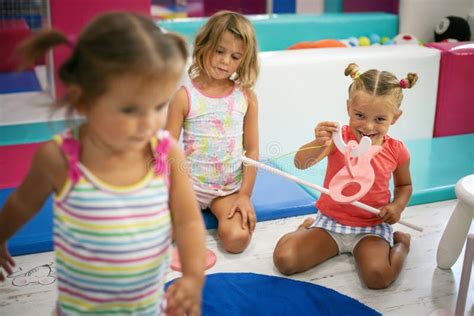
{"points": [[254, 294]]}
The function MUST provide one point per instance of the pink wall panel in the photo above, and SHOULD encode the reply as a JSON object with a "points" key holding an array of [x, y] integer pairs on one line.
{"points": [[455, 101], [12, 32], [389, 6], [242, 6], [15, 161], [72, 15]]}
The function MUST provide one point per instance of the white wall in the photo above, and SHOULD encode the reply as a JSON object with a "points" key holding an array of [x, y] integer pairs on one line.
{"points": [[299, 88]]}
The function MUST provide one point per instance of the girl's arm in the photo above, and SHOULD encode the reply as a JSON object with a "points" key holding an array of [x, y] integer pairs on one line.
{"points": [[43, 178], [243, 203], [314, 151], [250, 144], [403, 187], [401, 196], [177, 112], [188, 226]]}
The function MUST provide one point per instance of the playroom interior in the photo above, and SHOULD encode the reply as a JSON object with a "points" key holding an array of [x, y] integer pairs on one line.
{"points": [[304, 47]]}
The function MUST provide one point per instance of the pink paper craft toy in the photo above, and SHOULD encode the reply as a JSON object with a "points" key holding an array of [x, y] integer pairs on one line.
{"points": [[357, 171]]}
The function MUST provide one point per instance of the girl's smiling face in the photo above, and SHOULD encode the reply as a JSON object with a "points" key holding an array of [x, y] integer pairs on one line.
{"points": [[371, 116]]}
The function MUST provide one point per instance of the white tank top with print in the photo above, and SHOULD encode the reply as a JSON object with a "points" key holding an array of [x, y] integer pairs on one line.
{"points": [[213, 138]]}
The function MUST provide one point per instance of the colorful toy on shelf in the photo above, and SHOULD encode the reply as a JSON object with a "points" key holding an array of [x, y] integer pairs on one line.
{"points": [[452, 29], [374, 38], [364, 41], [386, 41], [371, 39], [403, 39], [325, 43]]}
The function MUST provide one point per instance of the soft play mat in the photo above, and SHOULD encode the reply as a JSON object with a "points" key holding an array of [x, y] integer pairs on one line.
{"points": [[22, 81], [236, 294], [274, 197], [36, 235]]}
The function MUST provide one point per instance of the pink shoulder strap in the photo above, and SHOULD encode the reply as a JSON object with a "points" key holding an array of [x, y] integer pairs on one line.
{"points": [[161, 153], [71, 149]]}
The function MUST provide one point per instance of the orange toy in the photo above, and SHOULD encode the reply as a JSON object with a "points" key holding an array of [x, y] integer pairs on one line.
{"points": [[318, 44]]}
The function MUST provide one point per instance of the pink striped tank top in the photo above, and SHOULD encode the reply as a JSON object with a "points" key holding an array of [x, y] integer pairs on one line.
{"points": [[112, 244]]}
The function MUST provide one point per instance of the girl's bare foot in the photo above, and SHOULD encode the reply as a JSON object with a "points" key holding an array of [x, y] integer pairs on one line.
{"points": [[308, 221], [403, 238]]}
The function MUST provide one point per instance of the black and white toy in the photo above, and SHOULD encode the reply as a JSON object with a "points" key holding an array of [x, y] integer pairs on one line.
{"points": [[452, 28]]}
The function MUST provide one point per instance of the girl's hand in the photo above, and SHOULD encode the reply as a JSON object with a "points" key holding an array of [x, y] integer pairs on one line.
{"points": [[323, 133], [243, 205], [6, 261], [391, 213], [184, 297]]}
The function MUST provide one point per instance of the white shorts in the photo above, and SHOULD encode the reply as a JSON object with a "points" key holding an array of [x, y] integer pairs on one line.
{"points": [[347, 242], [206, 196], [347, 237]]}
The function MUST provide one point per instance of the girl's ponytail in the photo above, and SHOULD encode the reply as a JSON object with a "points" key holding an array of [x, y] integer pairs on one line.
{"points": [[38, 45]]}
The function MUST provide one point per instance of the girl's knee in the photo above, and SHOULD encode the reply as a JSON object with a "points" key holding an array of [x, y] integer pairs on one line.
{"points": [[376, 277], [284, 260], [235, 241]]}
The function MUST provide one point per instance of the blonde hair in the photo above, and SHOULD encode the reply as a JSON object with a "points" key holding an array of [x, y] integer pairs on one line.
{"points": [[112, 44], [379, 83], [208, 38]]}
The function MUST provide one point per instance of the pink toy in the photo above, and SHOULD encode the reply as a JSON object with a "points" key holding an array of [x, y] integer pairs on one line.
{"points": [[358, 169], [176, 263]]}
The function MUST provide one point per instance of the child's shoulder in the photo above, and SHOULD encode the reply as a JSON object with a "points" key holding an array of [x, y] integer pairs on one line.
{"points": [[397, 148], [180, 99], [49, 151], [181, 93], [50, 161], [394, 142], [251, 96]]}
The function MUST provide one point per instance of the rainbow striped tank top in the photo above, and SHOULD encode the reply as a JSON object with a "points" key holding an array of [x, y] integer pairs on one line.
{"points": [[112, 244]]}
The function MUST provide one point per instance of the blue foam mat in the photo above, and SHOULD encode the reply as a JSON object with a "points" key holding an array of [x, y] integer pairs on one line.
{"points": [[436, 165], [274, 197], [21, 81], [236, 294], [36, 235]]}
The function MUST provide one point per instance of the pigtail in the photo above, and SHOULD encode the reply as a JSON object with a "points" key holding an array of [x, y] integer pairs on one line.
{"points": [[409, 81], [352, 70], [36, 46]]}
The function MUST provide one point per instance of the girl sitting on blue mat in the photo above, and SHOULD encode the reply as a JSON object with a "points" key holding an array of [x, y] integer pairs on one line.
{"points": [[217, 111], [374, 104], [116, 178]]}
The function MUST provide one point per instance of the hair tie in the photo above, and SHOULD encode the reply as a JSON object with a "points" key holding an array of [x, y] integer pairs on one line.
{"points": [[403, 83], [357, 75], [71, 40]]}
